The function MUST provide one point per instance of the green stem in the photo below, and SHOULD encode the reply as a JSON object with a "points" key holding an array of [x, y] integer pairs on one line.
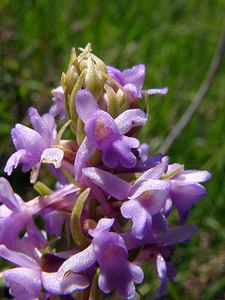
{"points": [[75, 223], [94, 291], [42, 189]]}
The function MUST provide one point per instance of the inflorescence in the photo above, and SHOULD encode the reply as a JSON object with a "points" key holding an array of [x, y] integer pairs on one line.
{"points": [[110, 210]]}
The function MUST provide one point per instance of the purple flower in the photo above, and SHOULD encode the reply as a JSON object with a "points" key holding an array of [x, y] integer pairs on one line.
{"points": [[59, 103], [158, 251], [109, 251], [34, 145], [14, 215], [186, 189], [26, 281], [132, 81], [106, 134], [111, 184], [52, 207], [147, 198], [143, 209]]}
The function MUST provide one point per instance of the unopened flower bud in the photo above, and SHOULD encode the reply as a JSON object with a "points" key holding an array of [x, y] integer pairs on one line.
{"points": [[71, 78], [122, 99], [112, 101], [93, 79], [99, 63]]}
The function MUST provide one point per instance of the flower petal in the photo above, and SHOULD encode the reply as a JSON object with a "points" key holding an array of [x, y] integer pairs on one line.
{"points": [[159, 224], [78, 262], [152, 194], [129, 119], [103, 225], [50, 123], [148, 185], [24, 283], [84, 153], [86, 105], [132, 91], [54, 222], [52, 156], [20, 156], [116, 74], [59, 107], [137, 273], [119, 152], [142, 221], [193, 176], [38, 123], [135, 75], [155, 172], [162, 91], [100, 127], [143, 151], [178, 234], [108, 182], [115, 269], [149, 163], [184, 196], [162, 273], [11, 223], [26, 138], [18, 258], [69, 284], [36, 236], [8, 197]]}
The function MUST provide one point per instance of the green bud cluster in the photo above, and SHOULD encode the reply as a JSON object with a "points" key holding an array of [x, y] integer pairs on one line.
{"points": [[87, 71]]}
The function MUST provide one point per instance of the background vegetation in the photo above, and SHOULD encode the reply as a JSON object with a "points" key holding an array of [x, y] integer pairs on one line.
{"points": [[176, 40]]}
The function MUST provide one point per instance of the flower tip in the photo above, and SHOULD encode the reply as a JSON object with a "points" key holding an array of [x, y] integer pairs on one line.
{"points": [[32, 111], [164, 90], [8, 170], [208, 175]]}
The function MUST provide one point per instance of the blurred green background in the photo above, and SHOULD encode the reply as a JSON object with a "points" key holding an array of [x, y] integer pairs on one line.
{"points": [[176, 40]]}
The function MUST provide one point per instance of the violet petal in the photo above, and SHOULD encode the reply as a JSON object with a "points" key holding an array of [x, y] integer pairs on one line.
{"points": [[129, 119], [18, 258], [162, 273], [69, 284], [108, 182], [78, 262], [86, 105], [178, 234], [8, 197], [184, 196], [135, 75], [84, 153], [20, 156], [24, 283]]}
